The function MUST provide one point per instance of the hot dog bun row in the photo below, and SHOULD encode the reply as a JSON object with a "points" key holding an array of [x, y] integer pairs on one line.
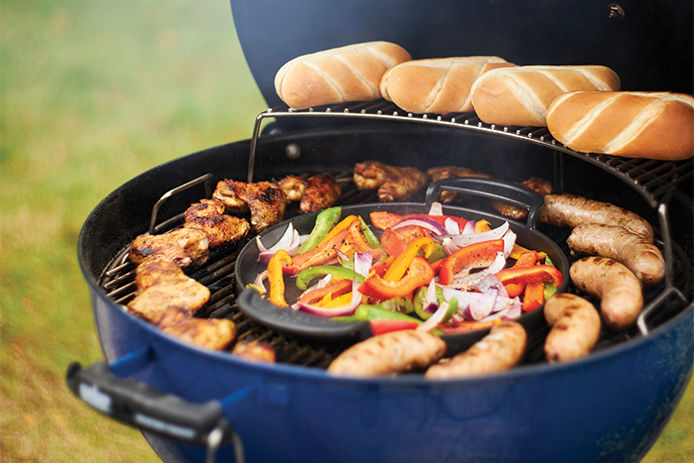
{"points": [[582, 106]]}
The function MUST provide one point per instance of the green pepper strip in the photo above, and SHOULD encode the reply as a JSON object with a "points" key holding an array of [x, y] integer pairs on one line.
{"points": [[325, 220], [374, 312], [369, 235], [305, 276]]}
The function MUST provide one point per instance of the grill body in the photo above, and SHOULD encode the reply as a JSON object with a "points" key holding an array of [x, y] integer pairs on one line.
{"points": [[610, 406]]}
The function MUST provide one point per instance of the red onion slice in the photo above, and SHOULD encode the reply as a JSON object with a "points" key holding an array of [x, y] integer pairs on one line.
{"points": [[329, 312], [362, 263], [452, 227], [423, 222], [511, 310], [474, 306], [469, 228], [465, 280], [289, 241], [435, 319], [466, 239], [509, 241]]}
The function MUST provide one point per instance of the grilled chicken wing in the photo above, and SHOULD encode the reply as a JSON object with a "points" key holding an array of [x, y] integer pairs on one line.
{"points": [[213, 333], [154, 271], [185, 293], [208, 216], [255, 351], [393, 183], [321, 191], [182, 246], [265, 200], [293, 187]]}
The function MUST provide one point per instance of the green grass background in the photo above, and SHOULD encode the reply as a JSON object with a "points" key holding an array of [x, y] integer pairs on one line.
{"points": [[93, 93]]}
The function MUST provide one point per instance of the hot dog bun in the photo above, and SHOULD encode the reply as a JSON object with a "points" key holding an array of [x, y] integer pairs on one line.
{"points": [[439, 85], [349, 73], [521, 95], [655, 125]]}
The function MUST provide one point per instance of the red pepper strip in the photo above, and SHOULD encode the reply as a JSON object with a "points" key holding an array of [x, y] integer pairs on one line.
{"points": [[391, 243], [526, 275], [319, 255], [384, 219], [409, 233], [403, 260], [380, 267], [418, 274], [466, 327], [386, 325], [533, 296], [332, 290], [276, 278], [527, 259], [436, 266], [468, 255]]}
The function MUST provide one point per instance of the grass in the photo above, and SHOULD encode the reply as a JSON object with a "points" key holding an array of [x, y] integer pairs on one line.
{"points": [[93, 93]]}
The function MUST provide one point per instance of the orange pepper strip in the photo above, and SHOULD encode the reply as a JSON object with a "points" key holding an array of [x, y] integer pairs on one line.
{"points": [[402, 262], [338, 301], [533, 296], [344, 224], [276, 278], [482, 226]]}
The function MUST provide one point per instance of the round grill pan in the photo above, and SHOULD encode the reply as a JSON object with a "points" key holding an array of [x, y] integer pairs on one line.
{"points": [[310, 327]]}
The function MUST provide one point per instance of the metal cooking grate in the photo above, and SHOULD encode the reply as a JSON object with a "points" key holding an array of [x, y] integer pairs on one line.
{"points": [[218, 275], [654, 180]]}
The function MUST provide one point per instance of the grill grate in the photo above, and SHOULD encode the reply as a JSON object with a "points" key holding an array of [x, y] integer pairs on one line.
{"points": [[654, 180], [218, 275]]}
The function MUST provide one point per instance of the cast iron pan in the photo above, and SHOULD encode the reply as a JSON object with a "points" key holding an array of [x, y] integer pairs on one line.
{"points": [[311, 327]]}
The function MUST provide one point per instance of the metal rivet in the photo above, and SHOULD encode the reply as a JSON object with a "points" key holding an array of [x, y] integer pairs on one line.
{"points": [[615, 12], [292, 151]]}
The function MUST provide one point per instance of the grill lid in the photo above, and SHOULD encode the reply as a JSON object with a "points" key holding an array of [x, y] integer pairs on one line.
{"points": [[649, 44]]}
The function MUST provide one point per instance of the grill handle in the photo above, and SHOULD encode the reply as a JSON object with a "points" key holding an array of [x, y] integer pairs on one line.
{"points": [[494, 189], [144, 407]]}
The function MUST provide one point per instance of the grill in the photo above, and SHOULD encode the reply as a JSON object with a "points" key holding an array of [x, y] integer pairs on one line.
{"points": [[654, 181], [609, 406]]}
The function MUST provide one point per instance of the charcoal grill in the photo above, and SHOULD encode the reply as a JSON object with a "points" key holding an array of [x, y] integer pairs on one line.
{"points": [[192, 403]]}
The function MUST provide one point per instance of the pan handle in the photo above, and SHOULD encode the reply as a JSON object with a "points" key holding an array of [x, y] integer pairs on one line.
{"points": [[144, 407], [495, 189], [300, 324]]}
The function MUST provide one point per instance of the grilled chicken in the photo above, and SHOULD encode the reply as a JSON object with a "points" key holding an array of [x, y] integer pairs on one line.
{"points": [[208, 216], [154, 271], [321, 191], [255, 351], [393, 183], [293, 187], [213, 333], [265, 200], [182, 246], [184, 293]]}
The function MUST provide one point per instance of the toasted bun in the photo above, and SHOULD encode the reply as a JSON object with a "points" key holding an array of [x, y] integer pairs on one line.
{"points": [[349, 73], [654, 125], [521, 95], [440, 85]]}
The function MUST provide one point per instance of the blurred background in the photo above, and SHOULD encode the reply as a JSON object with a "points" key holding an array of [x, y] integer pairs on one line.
{"points": [[93, 93]]}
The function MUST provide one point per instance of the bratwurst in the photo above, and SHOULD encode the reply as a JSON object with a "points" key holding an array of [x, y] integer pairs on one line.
{"points": [[567, 210], [389, 353], [615, 285], [639, 255], [575, 327], [500, 350]]}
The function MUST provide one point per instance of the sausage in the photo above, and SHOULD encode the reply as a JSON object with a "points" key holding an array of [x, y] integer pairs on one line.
{"points": [[500, 350], [389, 353], [575, 327], [638, 254], [570, 211], [615, 285]]}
